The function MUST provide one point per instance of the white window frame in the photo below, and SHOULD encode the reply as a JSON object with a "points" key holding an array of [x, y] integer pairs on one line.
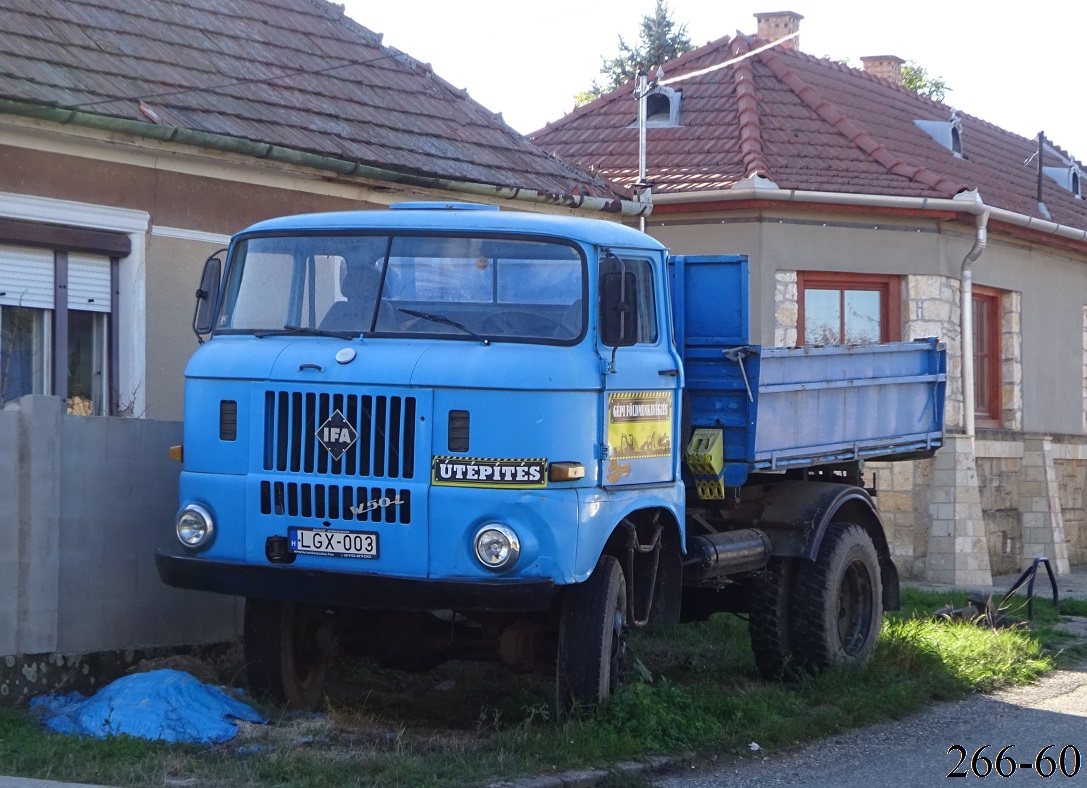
{"points": [[131, 310]]}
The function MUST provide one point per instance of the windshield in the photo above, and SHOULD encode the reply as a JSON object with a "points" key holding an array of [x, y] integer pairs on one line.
{"points": [[478, 288]]}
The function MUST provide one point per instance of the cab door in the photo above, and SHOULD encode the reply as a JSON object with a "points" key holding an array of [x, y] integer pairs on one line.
{"points": [[642, 373]]}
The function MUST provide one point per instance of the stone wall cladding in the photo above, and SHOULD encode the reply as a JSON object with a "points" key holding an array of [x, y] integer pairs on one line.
{"points": [[930, 308], [1071, 479], [1011, 369], [902, 496], [998, 483], [786, 308]]}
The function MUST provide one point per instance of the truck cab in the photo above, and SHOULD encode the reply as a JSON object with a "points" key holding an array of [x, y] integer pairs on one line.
{"points": [[430, 408]]}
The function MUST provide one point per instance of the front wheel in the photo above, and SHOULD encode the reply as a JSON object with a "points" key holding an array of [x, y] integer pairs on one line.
{"points": [[287, 647], [838, 600], [592, 639]]}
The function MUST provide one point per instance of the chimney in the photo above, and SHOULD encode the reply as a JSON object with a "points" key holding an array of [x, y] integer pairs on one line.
{"points": [[886, 67], [778, 24]]}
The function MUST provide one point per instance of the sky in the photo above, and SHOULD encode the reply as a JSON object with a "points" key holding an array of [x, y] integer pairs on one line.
{"points": [[1021, 67]]}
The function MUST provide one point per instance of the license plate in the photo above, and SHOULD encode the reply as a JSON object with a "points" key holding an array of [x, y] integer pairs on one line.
{"points": [[325, 541]]}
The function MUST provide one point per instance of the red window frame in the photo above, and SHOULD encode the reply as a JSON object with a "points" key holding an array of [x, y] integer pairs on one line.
{"points": [[988, 357], [890, 303]]}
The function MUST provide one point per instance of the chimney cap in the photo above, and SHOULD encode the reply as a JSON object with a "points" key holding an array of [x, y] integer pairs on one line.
{"points": [[789, 14], [776, 25], [888, 67], [883, 59]]}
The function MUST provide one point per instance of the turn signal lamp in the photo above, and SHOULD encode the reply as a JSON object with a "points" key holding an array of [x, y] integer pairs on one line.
{"points": [[566, 471]]}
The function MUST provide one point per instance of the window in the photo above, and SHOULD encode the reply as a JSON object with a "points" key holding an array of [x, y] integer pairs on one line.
{"points": [[627, 285], [946, 132], [847, 309], [460, 287], [44, 349], [662, 105], [1067, 177], [987, 357]]}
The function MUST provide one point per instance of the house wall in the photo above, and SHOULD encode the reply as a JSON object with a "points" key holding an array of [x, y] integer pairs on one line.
{"points": [[172, 279], [1027, 496], [191, 216], [88, 502]]}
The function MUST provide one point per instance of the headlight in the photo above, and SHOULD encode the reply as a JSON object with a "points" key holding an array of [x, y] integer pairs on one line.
{"points": [[195, 526], [497, 546]]}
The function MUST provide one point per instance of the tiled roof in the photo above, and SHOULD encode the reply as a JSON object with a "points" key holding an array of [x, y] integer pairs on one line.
{"points": [[292, 73], [809, 124]]}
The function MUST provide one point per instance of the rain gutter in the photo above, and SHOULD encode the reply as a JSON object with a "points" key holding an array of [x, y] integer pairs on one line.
{"points": [[965, 202], [292, 157]]}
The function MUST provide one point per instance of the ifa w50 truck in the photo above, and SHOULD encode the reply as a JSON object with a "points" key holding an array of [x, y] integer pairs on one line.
{"points": [[443, 430]]}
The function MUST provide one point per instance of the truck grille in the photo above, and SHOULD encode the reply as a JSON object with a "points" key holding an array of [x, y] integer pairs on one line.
{"points": [[336, 502], [385, 447]]}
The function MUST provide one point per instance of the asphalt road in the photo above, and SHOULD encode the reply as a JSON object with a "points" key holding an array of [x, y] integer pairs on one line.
{"points": [[914, 751]]}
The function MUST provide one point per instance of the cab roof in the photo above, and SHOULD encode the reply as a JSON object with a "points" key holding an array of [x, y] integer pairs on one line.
{"points": [[461, 218]]}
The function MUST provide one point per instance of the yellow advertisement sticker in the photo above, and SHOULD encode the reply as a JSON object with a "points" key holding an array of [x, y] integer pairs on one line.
{"points": [[640, 424]]}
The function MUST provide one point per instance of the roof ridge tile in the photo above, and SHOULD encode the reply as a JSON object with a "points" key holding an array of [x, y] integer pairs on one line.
{"points": [[750, 120], [851, 130]]}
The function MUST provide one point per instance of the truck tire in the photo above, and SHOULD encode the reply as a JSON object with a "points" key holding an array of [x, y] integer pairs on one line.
{"points": [[770, 621], [284, 654], [838, 600], [592, 639]]}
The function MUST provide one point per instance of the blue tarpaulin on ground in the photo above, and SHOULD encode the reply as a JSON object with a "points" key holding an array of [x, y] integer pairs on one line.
{"points": [[165, 705]]}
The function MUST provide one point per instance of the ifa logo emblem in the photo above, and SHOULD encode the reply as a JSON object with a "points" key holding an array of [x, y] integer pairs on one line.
{"points": [[336, 435]]}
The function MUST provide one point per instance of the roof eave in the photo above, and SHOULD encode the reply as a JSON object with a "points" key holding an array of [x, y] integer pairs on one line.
{"points": [[294, 157], [968, 202]]}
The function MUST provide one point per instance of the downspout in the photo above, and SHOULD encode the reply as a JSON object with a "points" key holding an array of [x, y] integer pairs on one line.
{"points": [[640, 93], [966, 322]]}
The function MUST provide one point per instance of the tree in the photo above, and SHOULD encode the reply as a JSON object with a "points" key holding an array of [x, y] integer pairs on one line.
{"points": [[914, 76], [917, 79], [659, 41]]}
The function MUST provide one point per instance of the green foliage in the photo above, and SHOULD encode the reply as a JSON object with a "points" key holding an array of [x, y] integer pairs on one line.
{"points": [[914, 76], [917, 79], [471, 724], [659, 41], [1073, 607]]}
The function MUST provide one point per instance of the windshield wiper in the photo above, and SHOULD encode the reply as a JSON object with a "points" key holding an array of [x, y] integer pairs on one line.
{"points": [[445, 321], [304, 331]]}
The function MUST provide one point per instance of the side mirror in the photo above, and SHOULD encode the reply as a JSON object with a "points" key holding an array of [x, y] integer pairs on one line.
{"points": [[206, 297], [619, 309]]}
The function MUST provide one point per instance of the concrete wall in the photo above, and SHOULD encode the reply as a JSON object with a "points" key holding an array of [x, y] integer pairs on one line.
{"points": [[88, 502]]}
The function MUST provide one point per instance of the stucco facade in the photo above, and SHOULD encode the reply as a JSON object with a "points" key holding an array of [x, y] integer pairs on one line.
{"points": [[177, 206], [1015, 491]]}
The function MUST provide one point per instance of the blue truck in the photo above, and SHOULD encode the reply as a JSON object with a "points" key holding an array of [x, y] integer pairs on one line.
{"points": [[445, 430]]}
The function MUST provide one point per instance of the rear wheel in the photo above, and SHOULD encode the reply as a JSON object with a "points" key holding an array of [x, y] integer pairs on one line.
{"points": [[287, 646], [592, 639], [837, 601], [770, 621]]}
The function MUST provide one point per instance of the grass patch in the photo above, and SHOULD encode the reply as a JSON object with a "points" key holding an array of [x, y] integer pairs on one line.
{"points": [[470, 723]]}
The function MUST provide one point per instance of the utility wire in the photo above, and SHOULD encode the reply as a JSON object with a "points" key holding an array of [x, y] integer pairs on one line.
{"points": [[728, 63]]}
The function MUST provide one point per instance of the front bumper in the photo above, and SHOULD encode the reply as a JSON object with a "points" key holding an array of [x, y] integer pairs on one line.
{"points": [[351, 589]]}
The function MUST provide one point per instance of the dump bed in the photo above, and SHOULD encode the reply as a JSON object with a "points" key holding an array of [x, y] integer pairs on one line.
{"points": [[781, 408]]}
